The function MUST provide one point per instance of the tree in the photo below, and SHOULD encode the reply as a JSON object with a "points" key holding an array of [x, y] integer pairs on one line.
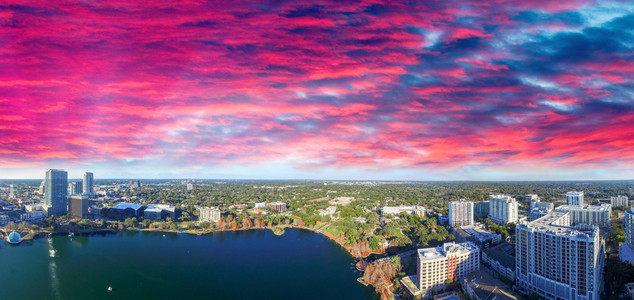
{"points": [[130, 222]]}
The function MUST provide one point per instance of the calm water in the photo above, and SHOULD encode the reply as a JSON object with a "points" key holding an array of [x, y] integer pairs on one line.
{"points": [[252, 264]]}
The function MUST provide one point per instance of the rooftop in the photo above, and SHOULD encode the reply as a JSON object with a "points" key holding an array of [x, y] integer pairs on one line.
{"points": [[558, 222], [445, 249], [602, 207], [125, 205], [503, 253], [486, 286]]}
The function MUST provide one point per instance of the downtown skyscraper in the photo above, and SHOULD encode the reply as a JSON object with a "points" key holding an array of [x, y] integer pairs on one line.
{"points": [[56, 184]]}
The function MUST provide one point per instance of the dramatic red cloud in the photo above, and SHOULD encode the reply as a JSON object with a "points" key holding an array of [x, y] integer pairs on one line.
{"points": [[307, 86]]}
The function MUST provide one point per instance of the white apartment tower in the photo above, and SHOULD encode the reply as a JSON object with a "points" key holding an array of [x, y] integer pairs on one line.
{"points": [[502, 209], [210, 214], [574, 198], [557, 261], [620, 201], [437, 265], [460, 213]]}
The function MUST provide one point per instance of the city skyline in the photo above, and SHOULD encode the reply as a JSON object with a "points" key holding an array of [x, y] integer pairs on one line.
{"points": [[458, 90]]}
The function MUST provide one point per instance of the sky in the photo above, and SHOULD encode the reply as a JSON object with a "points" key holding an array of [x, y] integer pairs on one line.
{"points": [[380, 90]]}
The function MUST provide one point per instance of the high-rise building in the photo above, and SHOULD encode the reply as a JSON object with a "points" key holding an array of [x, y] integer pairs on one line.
{"points": [[56, 183], [437, 265], [210, 214], [278, 206], [481, 209], [539, 204], [42, 189], [631, 192], [620, 201], [502, 209], [460, 213], [74, 188], [629, 229], [88, 187], [574, 198], [190, 186], [78, 206], [590, 215], [557, 261], [12, 191]]}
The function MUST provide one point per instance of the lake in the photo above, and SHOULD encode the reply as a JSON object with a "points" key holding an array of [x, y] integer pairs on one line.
{"points": [[253, 264]]}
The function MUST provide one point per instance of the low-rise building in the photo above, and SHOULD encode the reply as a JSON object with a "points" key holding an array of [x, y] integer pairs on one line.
{"points": [[397, 210], [482, 286], [157, 212], [329, 211], [501, 259], [260, 205], [477, 235], [4, 219], [125, 210]]}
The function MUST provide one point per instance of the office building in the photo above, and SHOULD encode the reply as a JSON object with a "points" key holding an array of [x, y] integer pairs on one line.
{"points": [[78, 206], [157, 212], [590, 215], [447, 262], [502, 209], [620, 201], [629, 229], [125, 210], [481, 209], [88, 187], [75, 188], [56, 185], [460, 213], [557, 261], [574, 198], [210, 214]]}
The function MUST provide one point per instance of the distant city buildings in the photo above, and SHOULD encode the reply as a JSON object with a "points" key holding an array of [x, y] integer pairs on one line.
{"points": [[620, 201], [260, 205], [460, 213], [56, 183], [502, 209], [210, 214], [12, 191], [574, 198], [88, 186], [557, 261], [397, 210], [190, 186]]}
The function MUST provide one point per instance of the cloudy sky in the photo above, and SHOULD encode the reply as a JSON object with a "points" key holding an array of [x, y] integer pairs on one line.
{"points": [[437, 90]]}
